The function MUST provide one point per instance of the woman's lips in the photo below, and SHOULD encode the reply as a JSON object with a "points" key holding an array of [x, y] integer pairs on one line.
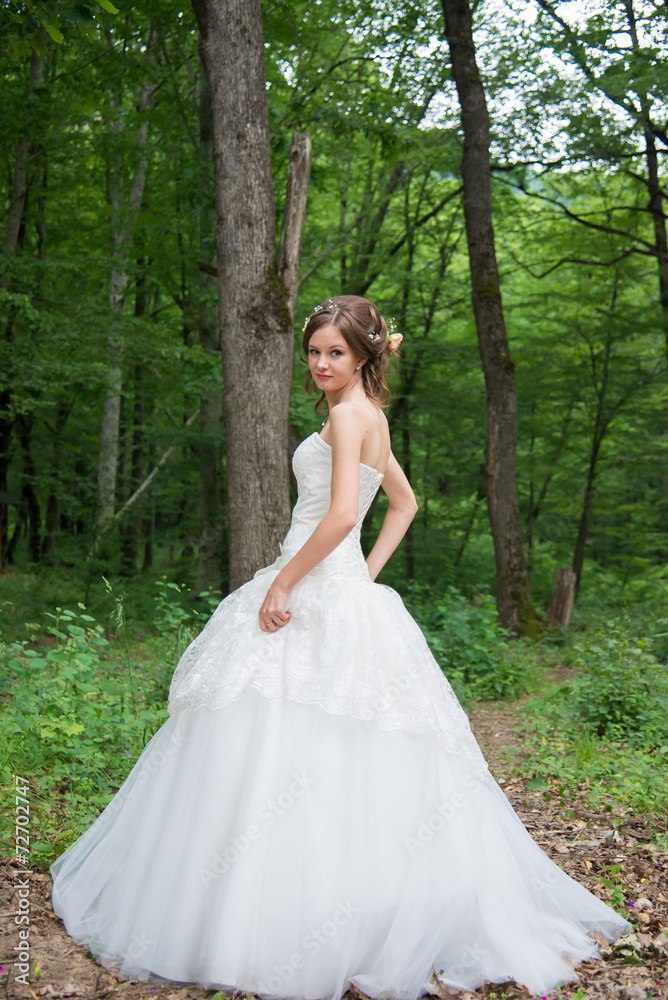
{"points": [[323, 376]]}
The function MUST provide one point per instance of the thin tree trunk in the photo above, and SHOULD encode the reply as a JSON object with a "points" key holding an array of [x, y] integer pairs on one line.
{"points": [[294, 216], [587, 503], [563, 597], [54, 502], [134, 469], [513, 591], [253, 304], [18, 197], [10, 548], [28, 492], [141, 490], [19, 188], [123, 221], [136, 472], [536, 507], [148, 524], [480, 496]]}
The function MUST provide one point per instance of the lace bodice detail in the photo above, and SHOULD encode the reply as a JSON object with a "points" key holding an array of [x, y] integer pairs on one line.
{"points": [[350, 646], [312, 464]]}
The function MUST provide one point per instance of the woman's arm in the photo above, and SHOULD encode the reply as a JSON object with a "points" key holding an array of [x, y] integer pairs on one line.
{"points": [[400, 513], [347, 435]]}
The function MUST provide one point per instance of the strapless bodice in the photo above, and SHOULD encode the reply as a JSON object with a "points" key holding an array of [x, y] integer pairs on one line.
{"points": [[312, 464]]}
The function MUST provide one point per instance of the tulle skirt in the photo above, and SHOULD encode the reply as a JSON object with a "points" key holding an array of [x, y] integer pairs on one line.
{"points": [[273, 847]]}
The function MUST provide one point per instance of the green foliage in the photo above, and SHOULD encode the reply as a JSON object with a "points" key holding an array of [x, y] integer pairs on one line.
{"points": [[32, 20], [78, 702], [621, 690], [469, 644], [73, 718], [604, 732], [566, 761], [172, 617]]}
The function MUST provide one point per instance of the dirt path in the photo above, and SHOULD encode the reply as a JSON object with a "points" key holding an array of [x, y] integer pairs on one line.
{"points": [[582, 844]]}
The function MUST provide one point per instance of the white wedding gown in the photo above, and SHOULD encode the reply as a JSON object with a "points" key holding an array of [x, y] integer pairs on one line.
{"points": [[316, 811]]}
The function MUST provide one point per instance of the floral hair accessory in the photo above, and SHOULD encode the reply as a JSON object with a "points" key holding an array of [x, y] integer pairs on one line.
{"points": [[394, 341], [374, 336], [327, 304]]}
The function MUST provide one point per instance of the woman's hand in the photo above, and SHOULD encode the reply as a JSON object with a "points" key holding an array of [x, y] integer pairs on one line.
{"points": [[273, 615]]}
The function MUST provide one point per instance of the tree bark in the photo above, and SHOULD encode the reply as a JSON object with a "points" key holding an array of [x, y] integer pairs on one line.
{"points": [[123, 222], [536, 506], [212, 534], [294, 215], [136, 473], [54, 502], [563, 597], [587, 503], [253, 305], [513, 592], [141, 490], [19, 187], [28, 492], [18, 197]]}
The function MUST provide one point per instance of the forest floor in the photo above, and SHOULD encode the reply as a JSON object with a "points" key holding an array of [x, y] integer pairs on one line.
{"points": [[583, 842]]}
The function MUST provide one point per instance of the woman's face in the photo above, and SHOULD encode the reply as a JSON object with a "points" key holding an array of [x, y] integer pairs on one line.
{"points": [[331, 362]]}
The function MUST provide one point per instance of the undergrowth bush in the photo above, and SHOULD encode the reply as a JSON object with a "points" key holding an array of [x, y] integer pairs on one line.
{"points": [[578, 764], [621, 690], [603, 734], [77, 708], [472, 649]]}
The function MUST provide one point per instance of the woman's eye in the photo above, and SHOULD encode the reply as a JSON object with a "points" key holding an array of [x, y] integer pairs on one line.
{"points": [[336, 352]]}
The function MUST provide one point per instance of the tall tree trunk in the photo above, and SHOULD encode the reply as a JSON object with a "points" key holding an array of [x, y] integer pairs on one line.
{"points": [[253, 304], [513, 592], [659, 221], [212, 535], [123, 222]]}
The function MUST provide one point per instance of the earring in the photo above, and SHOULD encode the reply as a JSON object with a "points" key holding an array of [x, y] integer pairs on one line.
{"points": [[358, 368]]}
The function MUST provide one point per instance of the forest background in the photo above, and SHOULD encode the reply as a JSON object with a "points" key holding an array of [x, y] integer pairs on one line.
{"points": [[108, 278]]}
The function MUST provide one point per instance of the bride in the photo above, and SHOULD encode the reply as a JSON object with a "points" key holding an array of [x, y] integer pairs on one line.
{"points": [[315, 812]]}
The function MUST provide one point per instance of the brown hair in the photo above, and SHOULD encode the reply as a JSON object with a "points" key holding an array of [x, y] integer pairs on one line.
{"points": [[365, 331]]}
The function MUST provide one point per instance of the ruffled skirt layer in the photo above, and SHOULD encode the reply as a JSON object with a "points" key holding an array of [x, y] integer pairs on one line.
{"points": [[273, 847]]}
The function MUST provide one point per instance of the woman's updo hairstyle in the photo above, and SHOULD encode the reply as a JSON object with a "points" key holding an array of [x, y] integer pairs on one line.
{"points": [[365, 331]]}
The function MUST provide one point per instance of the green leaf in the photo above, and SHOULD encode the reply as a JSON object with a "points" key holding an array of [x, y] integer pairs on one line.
{"points": [[54, 32], [109, 7]]}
